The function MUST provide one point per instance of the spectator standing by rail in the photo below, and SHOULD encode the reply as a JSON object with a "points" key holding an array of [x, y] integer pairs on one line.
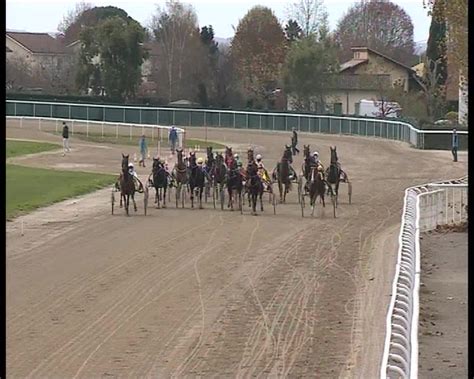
{"points": [[143, 150], [294, 142], [65, 138], [173, 138], [455, 145]]}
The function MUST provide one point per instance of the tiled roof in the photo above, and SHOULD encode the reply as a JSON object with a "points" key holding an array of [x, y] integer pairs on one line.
{"points": [[41, 43], [352, 63]]}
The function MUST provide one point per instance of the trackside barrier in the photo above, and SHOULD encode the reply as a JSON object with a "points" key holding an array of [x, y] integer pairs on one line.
{"points": [[187, 117], [76, 125], [425, 207]]}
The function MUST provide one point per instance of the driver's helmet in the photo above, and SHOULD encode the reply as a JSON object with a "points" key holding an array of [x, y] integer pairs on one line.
{"points": [[320, 168], [259, 157], [236, 156], [200, 161], [130, 165]]}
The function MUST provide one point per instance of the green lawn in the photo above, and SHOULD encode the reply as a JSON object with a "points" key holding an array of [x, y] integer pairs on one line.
{"points": [[125, 140], [16, 148], [29, 188]]}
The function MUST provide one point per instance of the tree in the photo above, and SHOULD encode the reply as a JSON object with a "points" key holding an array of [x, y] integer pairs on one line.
{"points": [[436, 48], [176, 31], [308, 73], [18, 74], [434, 92], [293, 31], [86, 16], [311, 15], [111, 57], [382, 26], [258, 50]]}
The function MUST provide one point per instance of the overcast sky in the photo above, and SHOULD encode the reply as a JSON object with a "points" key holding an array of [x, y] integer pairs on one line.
{"points": [[45, 15]]}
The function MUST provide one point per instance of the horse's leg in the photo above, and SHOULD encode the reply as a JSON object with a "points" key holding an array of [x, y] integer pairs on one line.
{"points": [[164, 195], [201, 190], [127, 202], [280, 189], [134, 204], [192, 197], [261, 199]]}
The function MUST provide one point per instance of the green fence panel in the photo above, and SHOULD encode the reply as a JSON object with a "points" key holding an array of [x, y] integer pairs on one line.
{"points": [[304, 124], [182, 118], [42, 110], [346, 126], [240, 121], [383, 130], [132, 116], [78, 112], [278, 123], [323, 125], [254, 121], [23, 109], [165, 117], [150, 116], [227, 120], [96, 113], [197, 118], [370, 128], [10, 109], [267, 122], [212, 118], [292, 122], [113, 114], [60, 111]]}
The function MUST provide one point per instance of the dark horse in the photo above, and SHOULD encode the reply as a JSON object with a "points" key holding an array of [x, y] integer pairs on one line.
{"points": [[283, 173], [317, 187], [234, 183], [181, 176], [160, 182], [210, 162], [307, 164], [197, 179], [254, 186], [127, 185], [333, 173], [219, 177]]}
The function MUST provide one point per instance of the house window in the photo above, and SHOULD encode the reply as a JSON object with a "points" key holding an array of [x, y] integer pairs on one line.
{"points": [[357, 55]]}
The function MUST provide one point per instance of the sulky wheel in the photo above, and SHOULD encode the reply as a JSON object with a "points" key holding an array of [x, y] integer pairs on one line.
{"points": [[349, 186], [145, 199], [112, 200]]}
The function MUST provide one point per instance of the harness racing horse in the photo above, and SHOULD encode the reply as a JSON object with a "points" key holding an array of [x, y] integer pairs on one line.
{"points": [[317, 187], [210, 161], [254, 186], [333, 173], [127, 185], [283, 173], [160, 182], [234, 184], [219, 177], [229, 156], [180, 174], [196, 179]]}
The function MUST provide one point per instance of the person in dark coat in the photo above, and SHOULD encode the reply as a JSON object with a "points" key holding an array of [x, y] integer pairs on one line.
{"points": [[455, 145], [294, 142], [65, 138]]}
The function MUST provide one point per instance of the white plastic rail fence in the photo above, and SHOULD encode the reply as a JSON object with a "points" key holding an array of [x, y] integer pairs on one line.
{"points": [[425, 207]]}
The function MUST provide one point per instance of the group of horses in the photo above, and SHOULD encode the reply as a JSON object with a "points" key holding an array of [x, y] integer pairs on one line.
{"points": [[223, 171]]}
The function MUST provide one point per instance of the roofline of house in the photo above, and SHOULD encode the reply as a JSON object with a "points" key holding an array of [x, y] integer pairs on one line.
{"points": [[355, 65], [382, 55], [19, 43]]}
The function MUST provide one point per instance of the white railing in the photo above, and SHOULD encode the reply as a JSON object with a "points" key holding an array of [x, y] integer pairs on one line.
{"points": [[161, 130], [425, 207]]}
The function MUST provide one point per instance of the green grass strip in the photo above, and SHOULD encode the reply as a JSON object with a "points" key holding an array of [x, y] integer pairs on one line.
{"points": [[125, 140], [17, 148], [31, 188]]}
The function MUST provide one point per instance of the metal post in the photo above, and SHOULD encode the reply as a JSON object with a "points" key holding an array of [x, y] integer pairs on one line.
{"points": [[174, 116], [56, 125], [87, 113], [116, 131], [247, 120], [234, 119], [273, 118], [350, 127], [158, 116], [51, 111], [286, 123], [330, 126], [87, 128], [319, 125], [140, 116], [14, 107], [205, 121], [130, 132], [123, 118], [220, 119], [454, 213], [72, 128], [34, 110], [260, 122], [340, 126], [446, 204], [102, 129], [152, 133], [69, 112], [189, 123]]}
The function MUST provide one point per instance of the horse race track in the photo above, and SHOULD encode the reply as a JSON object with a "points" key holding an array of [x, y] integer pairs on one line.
{"points": [[205, 292]]}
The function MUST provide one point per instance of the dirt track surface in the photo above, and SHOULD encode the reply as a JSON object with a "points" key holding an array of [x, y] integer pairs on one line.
{"points": [[205, 292], [443, 306]]}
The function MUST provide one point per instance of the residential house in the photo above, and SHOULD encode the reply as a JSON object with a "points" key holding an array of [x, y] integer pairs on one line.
{"points": [[365, 77]]}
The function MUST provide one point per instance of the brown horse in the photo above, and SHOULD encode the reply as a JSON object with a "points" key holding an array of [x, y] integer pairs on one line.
{"points": [[180, 174], [283, 173], [127, 185], [317, 187]]}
